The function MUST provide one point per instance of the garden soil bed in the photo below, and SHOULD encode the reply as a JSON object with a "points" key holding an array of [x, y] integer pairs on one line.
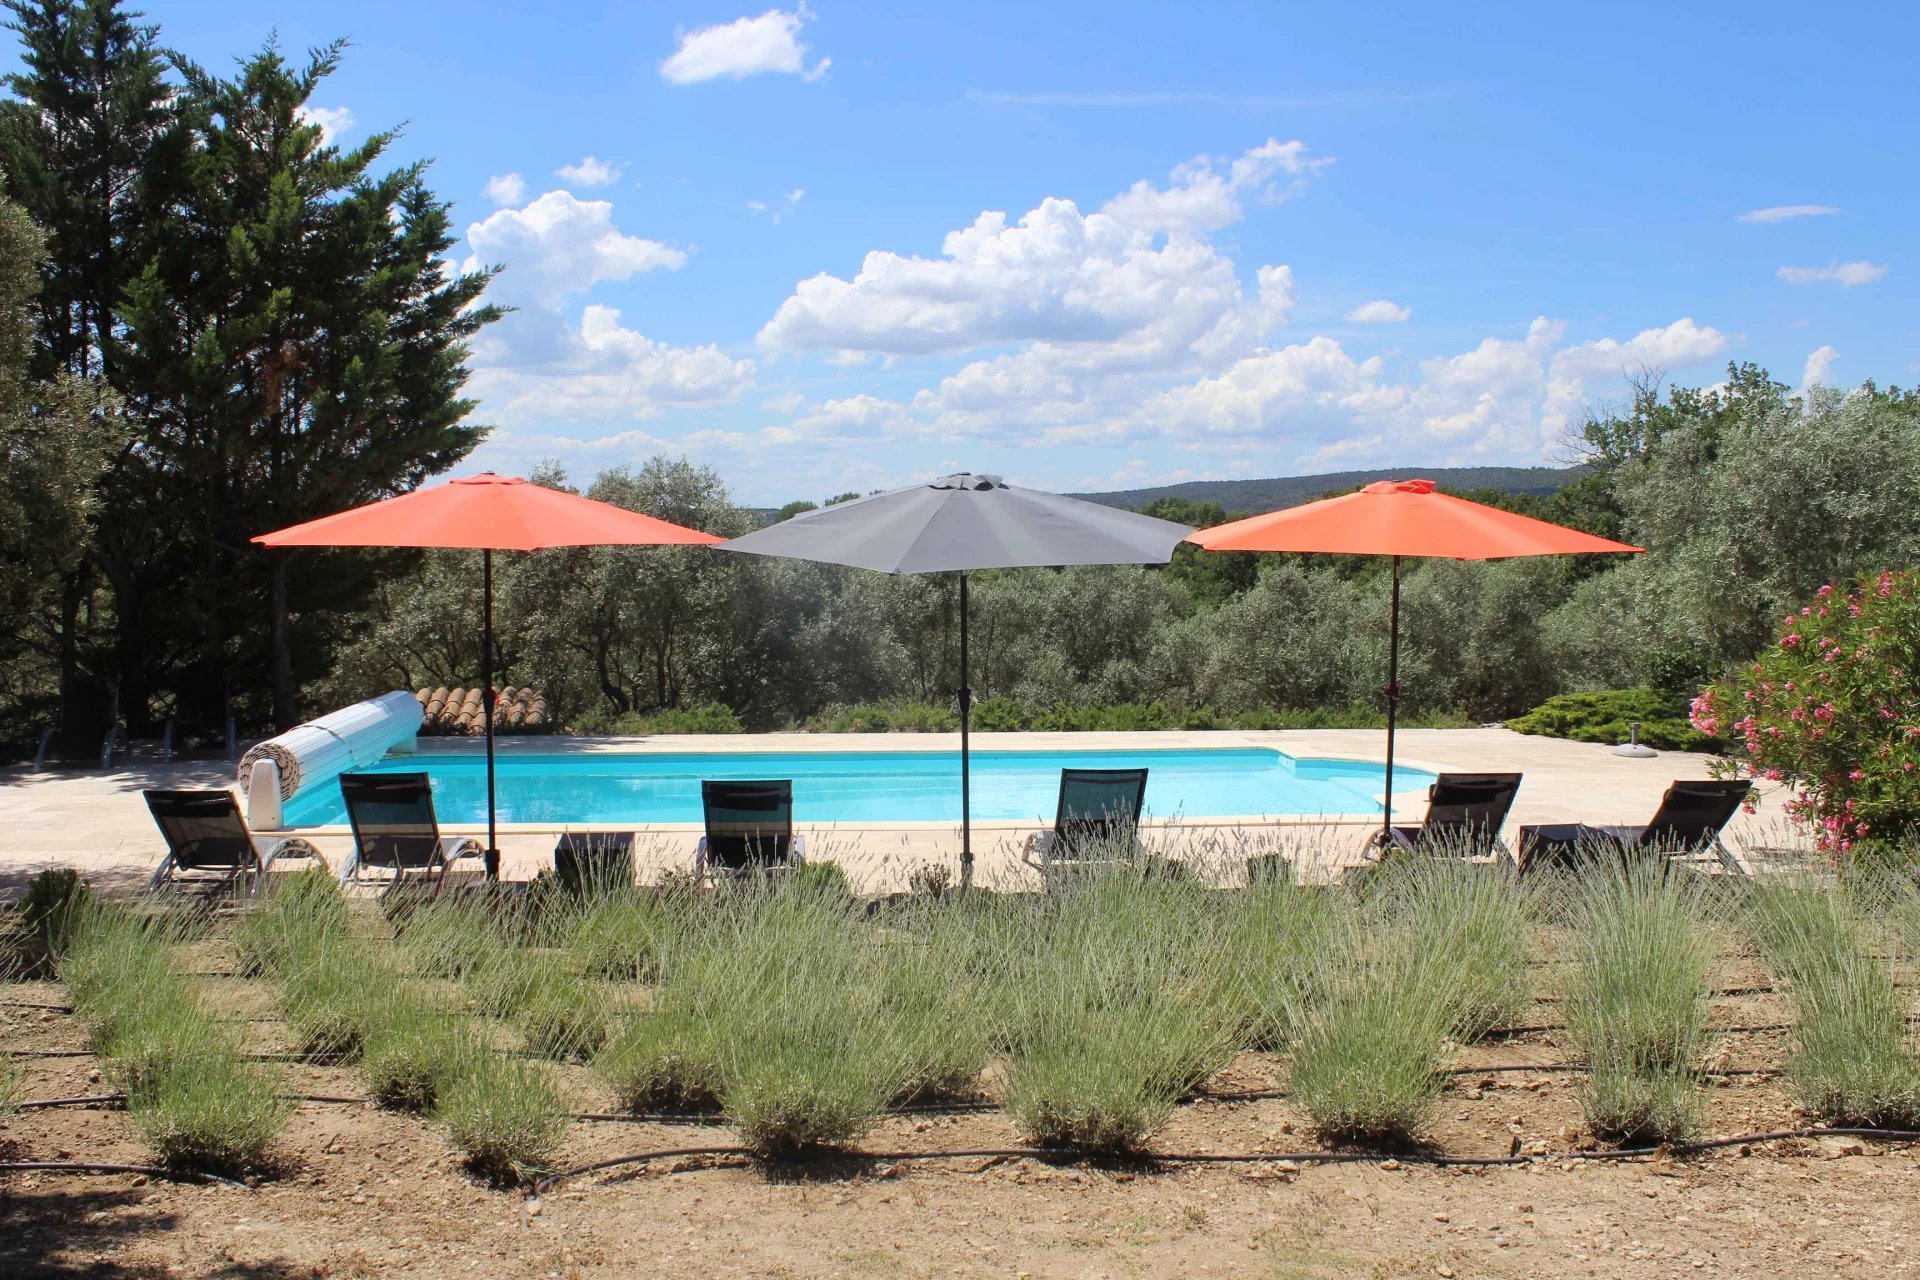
{"points": [[363, 1193]]}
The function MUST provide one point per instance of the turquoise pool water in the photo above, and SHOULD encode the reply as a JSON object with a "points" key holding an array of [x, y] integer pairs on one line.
{"points": [[874, 786]]}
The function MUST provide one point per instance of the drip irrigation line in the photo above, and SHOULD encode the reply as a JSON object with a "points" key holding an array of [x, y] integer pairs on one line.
{"points": [[28, 1004], [1433, 1158], [85, 1100], [150, 1170], [48, 1053]]}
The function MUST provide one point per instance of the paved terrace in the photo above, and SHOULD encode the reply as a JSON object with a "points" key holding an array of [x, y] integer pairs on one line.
{"points": [[97, 822]]}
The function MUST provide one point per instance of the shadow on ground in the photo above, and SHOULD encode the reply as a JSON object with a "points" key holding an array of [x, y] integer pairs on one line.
{"points": [[61, 1234]]}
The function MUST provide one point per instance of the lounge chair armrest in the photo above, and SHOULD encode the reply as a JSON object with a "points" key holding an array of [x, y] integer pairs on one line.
{"points": [[286, 847], [350, 867], [454, 848]]}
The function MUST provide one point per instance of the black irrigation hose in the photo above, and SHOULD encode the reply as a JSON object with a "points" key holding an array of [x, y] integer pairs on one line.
{"points": [[150, 1170], [1436, 1159], [88, 1100]]}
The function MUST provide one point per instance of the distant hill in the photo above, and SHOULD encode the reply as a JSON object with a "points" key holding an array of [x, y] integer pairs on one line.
{"points": [[1287, 491]]}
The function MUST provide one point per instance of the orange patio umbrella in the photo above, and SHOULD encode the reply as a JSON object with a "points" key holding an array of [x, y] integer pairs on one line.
{"points": [[487, 513], [1401, 518]]}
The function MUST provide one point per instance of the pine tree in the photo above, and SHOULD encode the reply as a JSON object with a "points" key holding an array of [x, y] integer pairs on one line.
{"points": [[295, 345]]}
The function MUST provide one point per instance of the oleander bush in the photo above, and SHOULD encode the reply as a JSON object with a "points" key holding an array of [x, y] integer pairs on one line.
{"points": [[1831, 707]]}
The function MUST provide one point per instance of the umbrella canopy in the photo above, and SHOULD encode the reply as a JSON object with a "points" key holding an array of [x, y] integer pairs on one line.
{"points": [[1400, 518], [487, 513], [964, 522], [960, 523]]}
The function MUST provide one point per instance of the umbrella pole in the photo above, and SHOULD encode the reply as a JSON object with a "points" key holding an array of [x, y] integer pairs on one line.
{"points": [[486, 701], [1393, 702], [966, 714]]}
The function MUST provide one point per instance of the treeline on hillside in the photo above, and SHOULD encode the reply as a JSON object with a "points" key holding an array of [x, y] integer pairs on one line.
{"points": [[234, 325], [1746, 498]]}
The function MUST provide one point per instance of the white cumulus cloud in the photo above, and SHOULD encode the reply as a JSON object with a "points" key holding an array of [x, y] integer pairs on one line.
{"points": [[560, 245], [1819, 370], [590, 172], [1844, 274], [506, 189], [1788, 212], [1138, 282], [333, 121], [535, 367], [744, 47], [1379, 311]]}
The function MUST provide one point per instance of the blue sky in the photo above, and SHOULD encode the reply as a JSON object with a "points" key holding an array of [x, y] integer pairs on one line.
{"points": [[841, 246]]}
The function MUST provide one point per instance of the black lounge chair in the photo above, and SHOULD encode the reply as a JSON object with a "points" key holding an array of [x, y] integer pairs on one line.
{"points": [[749, 829], [1686, 826], [395, 830], [209, 846], [1465, 812], [1097, 822], [594, 862]]}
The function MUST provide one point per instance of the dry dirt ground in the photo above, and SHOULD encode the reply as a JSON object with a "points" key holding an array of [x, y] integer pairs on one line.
{"points": [[363, 1193]]}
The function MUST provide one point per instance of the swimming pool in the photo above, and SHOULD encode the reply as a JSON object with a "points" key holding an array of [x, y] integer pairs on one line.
{"points": [[872, 786]]}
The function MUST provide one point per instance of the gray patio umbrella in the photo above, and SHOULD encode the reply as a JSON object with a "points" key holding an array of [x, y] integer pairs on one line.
{"points": [[958, 524]]}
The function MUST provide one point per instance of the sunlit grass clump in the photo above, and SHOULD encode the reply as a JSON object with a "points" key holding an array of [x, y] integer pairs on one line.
{"points": [[786, 992], [1853, 1060], [196, 1102], [662, 1063], [1637, 1003], [1367, 1062], [413, 1052], [504, 1117], [1117, 1005]]}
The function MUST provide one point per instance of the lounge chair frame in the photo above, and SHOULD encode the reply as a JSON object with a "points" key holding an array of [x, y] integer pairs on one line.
{"points": [[749, 829], [1688, 824], [210, 847], [1465, 812], [1098, 809], [405, 842]]}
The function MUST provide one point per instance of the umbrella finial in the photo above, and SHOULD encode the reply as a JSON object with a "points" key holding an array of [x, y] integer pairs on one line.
{"points": [[969, 480]]}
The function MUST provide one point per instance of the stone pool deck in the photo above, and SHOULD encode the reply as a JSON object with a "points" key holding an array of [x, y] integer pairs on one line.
{"points": [[96, 821]]}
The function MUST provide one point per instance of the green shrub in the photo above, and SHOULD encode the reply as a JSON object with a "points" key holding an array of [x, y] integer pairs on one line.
{"points": [[1368, 1055], [1637, 1001], [1000, 715], [662, 1063], [413, 1052], [209, 1112], [1365, 717], [1116, 1004], [1853, 1059], [1607, 717], [619, 937], [450, 936], [826, 879], [1470, 918], [1828, 707], [51, 902], [505, 1118], [709, 717]]}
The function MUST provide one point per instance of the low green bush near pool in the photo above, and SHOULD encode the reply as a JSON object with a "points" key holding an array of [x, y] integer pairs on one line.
{"points": [[1606, 717]]}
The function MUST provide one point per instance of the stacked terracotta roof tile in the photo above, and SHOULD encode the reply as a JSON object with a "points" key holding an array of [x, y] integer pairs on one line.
{"points": [[458, 711]]}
